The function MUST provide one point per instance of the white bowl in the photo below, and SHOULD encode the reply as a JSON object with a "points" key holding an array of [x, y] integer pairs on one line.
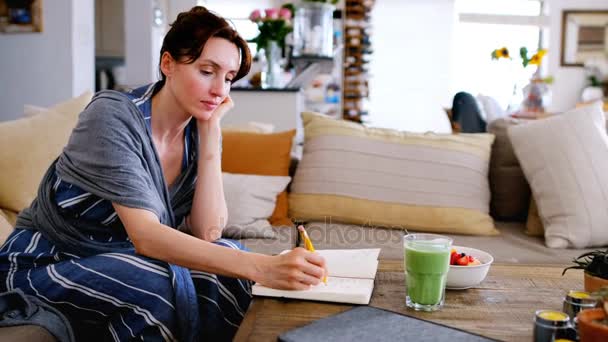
{"points": [[464, 277]]}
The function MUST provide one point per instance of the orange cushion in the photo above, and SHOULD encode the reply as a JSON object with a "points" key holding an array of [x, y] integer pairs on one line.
{"points": [[260, 154]]}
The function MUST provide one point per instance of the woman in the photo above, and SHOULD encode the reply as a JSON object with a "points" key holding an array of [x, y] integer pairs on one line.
{"points": [[99, 242]]}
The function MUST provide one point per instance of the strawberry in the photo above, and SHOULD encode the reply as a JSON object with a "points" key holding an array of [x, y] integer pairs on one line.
{"points": [[462, 261], [453, 257]]}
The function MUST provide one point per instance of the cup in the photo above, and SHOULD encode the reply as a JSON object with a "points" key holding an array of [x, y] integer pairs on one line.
{"points": [[575, 302], [426, 265], [551, 325]]}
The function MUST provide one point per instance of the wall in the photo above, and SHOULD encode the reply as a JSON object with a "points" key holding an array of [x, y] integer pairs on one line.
{"points": [[410, 65], [109, 28], [48, 67], [569, 81]]}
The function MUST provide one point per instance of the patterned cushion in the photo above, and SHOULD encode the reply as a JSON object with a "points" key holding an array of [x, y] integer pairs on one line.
{"points": [[428, 182]]}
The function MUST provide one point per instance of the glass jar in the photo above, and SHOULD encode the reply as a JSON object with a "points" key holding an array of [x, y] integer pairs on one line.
{"points": [[313, 30]]}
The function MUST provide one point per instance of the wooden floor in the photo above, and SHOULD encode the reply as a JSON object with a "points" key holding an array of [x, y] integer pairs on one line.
{"points": [[502, 307]]}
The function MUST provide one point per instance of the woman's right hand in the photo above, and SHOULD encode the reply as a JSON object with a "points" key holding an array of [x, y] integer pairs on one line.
{"points": [[297, 269]]}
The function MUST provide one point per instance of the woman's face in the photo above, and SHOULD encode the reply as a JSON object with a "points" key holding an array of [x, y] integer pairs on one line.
{"points": [[200, 87]]}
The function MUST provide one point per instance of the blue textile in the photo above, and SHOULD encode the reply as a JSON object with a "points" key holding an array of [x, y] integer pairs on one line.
{"points": [[17, 308], [75, 201], [120, 296], [88, 269]]}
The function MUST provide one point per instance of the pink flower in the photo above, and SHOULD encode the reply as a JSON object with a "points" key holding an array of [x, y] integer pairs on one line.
{"points": [[272, 13], [255, 16], [285, 13]]}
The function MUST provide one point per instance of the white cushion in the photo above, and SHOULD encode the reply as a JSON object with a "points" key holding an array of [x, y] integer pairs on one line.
{"points": [[565, 160], [251, 126], [251, 200]]}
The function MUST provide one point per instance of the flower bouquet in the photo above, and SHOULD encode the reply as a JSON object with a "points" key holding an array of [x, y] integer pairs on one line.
{"points": [[274, 25]]}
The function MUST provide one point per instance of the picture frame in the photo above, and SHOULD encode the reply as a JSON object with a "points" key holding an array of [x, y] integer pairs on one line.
{"points": [[20, 16], [584, 36]]}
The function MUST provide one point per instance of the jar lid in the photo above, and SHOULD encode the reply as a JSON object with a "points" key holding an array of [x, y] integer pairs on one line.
{"points": [[580, 297], [552, 318]]}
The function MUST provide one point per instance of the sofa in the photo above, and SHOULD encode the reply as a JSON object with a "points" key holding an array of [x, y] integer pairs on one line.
{"points": [[505, 190], [510, 194]]}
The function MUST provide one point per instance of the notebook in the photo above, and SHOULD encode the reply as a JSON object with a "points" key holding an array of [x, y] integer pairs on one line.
{"points": [[350, 280], [365, 323]]}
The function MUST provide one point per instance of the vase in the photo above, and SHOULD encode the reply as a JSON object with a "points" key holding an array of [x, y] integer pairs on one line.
{"points": [[536, 96], [271, 77], [593, 283]]}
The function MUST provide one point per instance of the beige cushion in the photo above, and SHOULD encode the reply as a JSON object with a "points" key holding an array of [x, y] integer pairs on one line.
{"points": [[5, 228], [510, 190], [9, 215], [251, 200], [29, 145], [355, 174], [31, 110], [565, 159]]}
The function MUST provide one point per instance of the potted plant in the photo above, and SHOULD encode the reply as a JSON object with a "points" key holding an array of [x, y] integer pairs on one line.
{"points": [[595, 266], [593, 323]]}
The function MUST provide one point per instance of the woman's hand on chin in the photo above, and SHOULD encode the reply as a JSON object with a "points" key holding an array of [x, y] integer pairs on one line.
{"points": [[218, 113]]}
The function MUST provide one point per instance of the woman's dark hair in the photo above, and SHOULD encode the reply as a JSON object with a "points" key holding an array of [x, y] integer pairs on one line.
{"points": [[190, 32]]}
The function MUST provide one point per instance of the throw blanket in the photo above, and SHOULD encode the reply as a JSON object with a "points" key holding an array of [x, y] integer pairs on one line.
{"points": [[17, 308], [111, 154]]}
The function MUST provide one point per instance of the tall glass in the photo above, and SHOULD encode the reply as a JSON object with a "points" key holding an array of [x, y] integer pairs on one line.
{"points": [[427, 262]]}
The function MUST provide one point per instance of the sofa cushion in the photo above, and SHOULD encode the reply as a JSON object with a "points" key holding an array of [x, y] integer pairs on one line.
{"points": [[512, 246], [534, 225], [355, 174], [251, 127], [565, 158], [260, 154], [9, 215], [29, 146], [5, 228], [250, 200], [508, 185]]}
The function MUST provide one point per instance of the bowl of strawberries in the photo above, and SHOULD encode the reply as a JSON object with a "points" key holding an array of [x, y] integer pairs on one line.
{"points": [[468, 267]]}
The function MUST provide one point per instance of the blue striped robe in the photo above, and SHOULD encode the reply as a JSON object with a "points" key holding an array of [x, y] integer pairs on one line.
{"points": [[118, 296]]}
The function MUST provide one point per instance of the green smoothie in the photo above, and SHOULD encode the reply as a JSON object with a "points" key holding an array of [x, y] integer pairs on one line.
{"points": [[427, 271]]}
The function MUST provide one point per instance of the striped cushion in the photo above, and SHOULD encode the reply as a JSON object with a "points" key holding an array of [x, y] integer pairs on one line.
{"points": [[428, 182], [565, 158]]}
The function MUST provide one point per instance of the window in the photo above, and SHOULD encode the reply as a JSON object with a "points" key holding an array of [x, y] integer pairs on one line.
{"points": [[237, 12], [484, 26]]}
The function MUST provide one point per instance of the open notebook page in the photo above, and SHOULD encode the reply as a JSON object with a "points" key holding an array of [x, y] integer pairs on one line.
{"points": [[351, 263], [338, 290]]}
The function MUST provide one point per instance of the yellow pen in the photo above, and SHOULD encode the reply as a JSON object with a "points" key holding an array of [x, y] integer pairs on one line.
{"points": [[308, 245]]}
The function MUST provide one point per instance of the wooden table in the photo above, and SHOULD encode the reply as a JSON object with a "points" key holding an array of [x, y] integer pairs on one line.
{"points": [[501, 307]]}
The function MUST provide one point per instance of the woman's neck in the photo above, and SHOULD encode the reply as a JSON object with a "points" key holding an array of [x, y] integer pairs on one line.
{"points": [[168, 118]]}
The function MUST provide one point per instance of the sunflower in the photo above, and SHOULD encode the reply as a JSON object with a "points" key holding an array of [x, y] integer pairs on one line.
{"points": [[537, 58], [500, 53]]}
